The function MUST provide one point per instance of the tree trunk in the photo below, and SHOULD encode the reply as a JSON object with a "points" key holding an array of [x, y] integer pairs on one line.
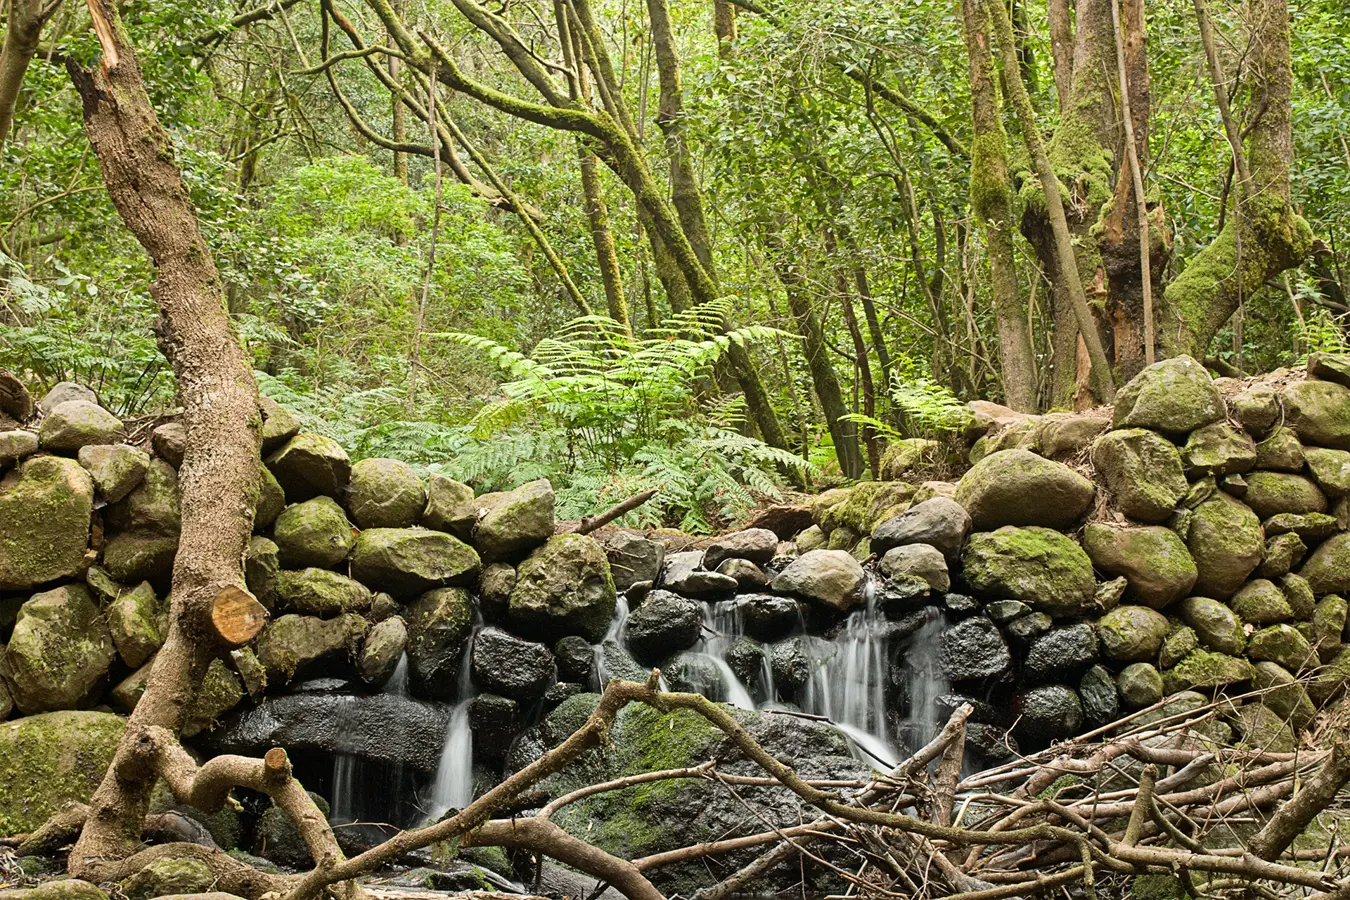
{"points": [[219, 476], [23, 31], [991, 198], [1060, 17], [1266, 236], [398, 128]]}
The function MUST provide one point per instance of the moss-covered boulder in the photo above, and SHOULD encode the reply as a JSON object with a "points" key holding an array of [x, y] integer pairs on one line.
{"points": [[1152, 559], [49, 760], [153, 506], [308, 465], [1282, 692], [117, 469], [1203, 669], [45, 505], [1062, 435], [1312, 527], [1319, 411], [262, 570], [1220, 448], [290, 645], [1280, 452], [1260, 728], [1329, 624], [1299, 594], [1330, 469], [386, 493], [169, 877], [1327, 571], [1180, 640], [1226, 542], [279, 424], [510, 524], [439, 622], [16, 445], [1331, 680], [1283, 553], [1140, 684], [1261, 602], [447, 506], [564, 587], [1142, 471], [78, 423], [1175, 396], [1039, 566], [380, 653], [907, 457], [1017, 487], [1131, 633], [219, 691], [1257, 408], [409, 561], [59, 889], [138, 622], [313, 533], [1214, 624], [1282, 644], [1272, 493], [319, 592], [59, 653], [134, 556], [829, 577]]}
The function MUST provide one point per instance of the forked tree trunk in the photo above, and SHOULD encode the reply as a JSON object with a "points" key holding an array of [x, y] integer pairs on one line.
{"points": [[219, 476]]}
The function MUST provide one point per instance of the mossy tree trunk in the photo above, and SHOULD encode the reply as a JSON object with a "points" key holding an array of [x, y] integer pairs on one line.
{"points": [[219, 476]]}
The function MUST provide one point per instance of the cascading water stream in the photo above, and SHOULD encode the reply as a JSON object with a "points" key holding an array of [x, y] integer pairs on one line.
{"points": [[600, 673], [346, 767], [722, 628], [453, 788], [924, 680]]}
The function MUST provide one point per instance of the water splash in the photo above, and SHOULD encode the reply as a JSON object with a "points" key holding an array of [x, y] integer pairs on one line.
{"points": [[398, 682], [346, 766]]}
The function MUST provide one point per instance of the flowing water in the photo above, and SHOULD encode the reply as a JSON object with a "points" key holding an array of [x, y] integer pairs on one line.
{"points": [[453, 787], [346, 768]]}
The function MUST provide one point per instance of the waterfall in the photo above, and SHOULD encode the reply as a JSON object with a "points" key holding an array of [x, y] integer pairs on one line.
{"points": [[398, 682], [722, 628], [925, 681], [453, 787], [346, 767], [600, 673], [850, 687]]}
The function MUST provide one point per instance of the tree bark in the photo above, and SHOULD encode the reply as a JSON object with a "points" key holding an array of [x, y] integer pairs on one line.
{"points": [[219, 477], [991, 199], [24, 20], [1060, 17]]}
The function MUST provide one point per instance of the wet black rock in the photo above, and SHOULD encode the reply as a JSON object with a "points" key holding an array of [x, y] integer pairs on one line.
{"points": [[1097, 691], [769, 617], [794, 659], [981, 710], [961, 605], [1062, 652], [511, 666], [664, 624], [990, 742], [1047, 713], [495, 721], [746, 659], [576, 659], [974, 650]]}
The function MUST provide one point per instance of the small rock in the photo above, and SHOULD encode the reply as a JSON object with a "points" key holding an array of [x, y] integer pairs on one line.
{"points": [[45, 505], [1153, 560], [1271, 493], [279, 424], [1312, 527], [1226, 542], [77, 423], [15, 445], [1330, 469], [1327, 571], [313, 533], [920, 560], [1215, 625], [1181, 641], [974, 650], [664, 624], [1025, 629], [291, 644], [1205, 669], [565, 587], [1062, 652], [1282, 692], [510, 524], [319, 592], [439, 623], [1097, 691], [1256, 408], [135, 556], [262, 570], [684, 575], [449, 506], [138, 623], [59, 652], [494, 589], [511, 666], [1284, 645], [495, 721], [1281, 452], [170, 442], [1175, 396], [576, 659], [64, 392], [1142, 471], [409, 561], [1140, 685], [152, 506], [830, 577], [1219, 449], [1132, 633], [117, 469], [748, 575], [1319, 411], [940, 522], [1048, 713], [769, 617], [1283, 553], [633, 559], [1038, 566], [1260, 602], [271, 501], [755, 544], [309, 465]]}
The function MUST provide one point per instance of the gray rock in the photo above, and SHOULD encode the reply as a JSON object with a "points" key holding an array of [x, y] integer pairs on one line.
{"points": [[408, 561], [1272, 493], [511, 666], [1017, 487], [439, 623], [1025, 629], [755, 544], [319, 592], [1327, 571], [1283, 553], [262, 570], [830, 577], [748, 575], [1219, 448], [308, 465], [15, 445], [1132, 633], [494, 589], [1142, 471], [49, 760], [664, 624], [683, 573], [384, 646], [1097, 692], [1260, 602], [974, 650], [632, 559], [271, 501], [313, 533], [134, 556], [152, 506], [59, 652], [449, 506], [769, 617], [746, 659], [294, 645], [1330, 469], [1175, 396], [1284, 694], [279, 424], [510, 524], [137, 623], [1281, 452], [1226, 542], [117, 469], [1256, 408], [45, 505], [1319, 411], [170, 442], [793, 660], [1140, 684], [1214, 624], [77, 423], [64, 392], [564, 587], [1062, 652], [386, 493], [940, 522], [1284, 645], [1152, 559], [495, 721], [920, 560], [1003, 611]]}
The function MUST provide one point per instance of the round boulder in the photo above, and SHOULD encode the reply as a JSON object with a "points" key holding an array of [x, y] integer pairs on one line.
{"points": [[309, 465], [511, 666], [1017, 487], [1142, 471], [319, 592], [1042, 568], [1140, 684], [1280, 452], [1048, 713], [49, 760], [45, 505], [1219, 449], [1061, 652], [1175, 396], [940, 522], [408, 561], [78, 423], [1319, 411], [918, 560], [1261, 602], [383, 647], [1272, 493], [509, 524], [117, 469], [831, 577], [665, 623], [313, 533], [439, 623], [1327, 571], [1227, 543], [1152, 559], [59, 653], [386, 493], [1132, 633], [755, 544], [1214, 624]]}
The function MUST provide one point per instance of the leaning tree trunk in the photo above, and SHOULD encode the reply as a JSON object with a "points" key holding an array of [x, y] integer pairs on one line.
{"points": [[23, 30], [219, 476]]}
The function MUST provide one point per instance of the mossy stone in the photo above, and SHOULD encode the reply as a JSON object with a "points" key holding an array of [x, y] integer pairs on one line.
{"points": [[59, 652], [810, 539], [16, 445], [1215, 624], [1206, 669], [309, 465], [59, 889], [446, 508], [138, 623], [1260, 602], [1282, 644], [170, 876], [262, 570], [1311, 527], [1175, 396], [1299, 594], [512, 523], [386, 493], [564, 587], [1142, 471], [1282, 692], [1262, 729], [1331, 680], [1039, 566], [1131, 633], [78, 423], [1017, 487], [52, 759], [1280, 452], [842, 538], [219, 691], [1180, 641], [1272, 493], [1140, 684], [279, 424], [134, 556], [117, 469], [1329, 623], [1333, 367], [907, 457], [409, 561], [290, 644], [1319, 411], [271, 500], [170, 442], [852, 513], [152, 506], [319, 592], [1283, 552], [45, 505], [1257, 408], [1153, 560], [313, 533], [1219, 448], [1327, 571], [381, 650], [823, 502], [439, 624], [1330, 469], [1227, 543]]}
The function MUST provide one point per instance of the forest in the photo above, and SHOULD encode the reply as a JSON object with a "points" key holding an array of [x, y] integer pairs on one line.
{"points": [[674, 448]]}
